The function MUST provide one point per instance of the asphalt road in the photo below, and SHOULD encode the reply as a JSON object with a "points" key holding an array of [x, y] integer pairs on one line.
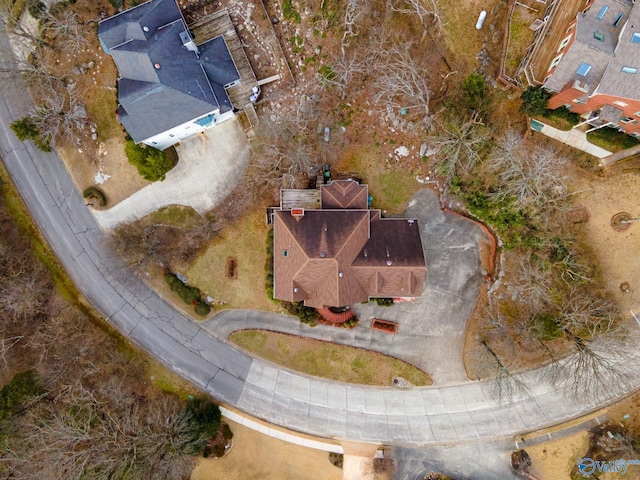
{"points": [[418, 416]]}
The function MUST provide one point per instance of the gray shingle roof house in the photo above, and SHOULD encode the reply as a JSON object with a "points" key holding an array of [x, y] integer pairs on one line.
{"points": [[595, 70], [169, 88]]}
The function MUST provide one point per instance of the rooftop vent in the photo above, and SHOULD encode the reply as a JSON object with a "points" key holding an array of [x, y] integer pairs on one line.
{"points": [[145, 28], [340, 274], [157, 65], [389, 262], [322, 254], [296, 290]]}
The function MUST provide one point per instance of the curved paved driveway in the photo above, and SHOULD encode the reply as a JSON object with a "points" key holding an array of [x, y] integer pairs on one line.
{"points": [[378, 415], [210, 166]]}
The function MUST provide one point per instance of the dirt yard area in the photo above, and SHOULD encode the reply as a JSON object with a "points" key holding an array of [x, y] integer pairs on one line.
{"points": [[328, 360], [465, 40], [554, 460], [255, 456], [616, 252]]}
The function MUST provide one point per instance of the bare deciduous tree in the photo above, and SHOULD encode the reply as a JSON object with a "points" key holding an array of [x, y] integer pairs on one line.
{"points": [[351, 14], [403, 79], [532, 283], [32, 71], [59, 114], [25, 33], [426, 10], [66, 30], [24, 284], [109, 437], [344, 71], [458, 147], [282, 153], [531, 174], [587, 316]]}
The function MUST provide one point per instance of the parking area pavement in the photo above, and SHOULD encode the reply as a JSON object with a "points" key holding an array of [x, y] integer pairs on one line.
{"points": [[432, 328], [210, 166]]}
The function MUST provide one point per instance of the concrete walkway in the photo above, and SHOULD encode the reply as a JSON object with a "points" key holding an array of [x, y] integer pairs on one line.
{"points": [[574, 138], [210, 166], [619, 156], [431, 329]]}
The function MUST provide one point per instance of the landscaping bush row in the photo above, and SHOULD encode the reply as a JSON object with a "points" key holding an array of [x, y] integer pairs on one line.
{"points": [[384, 302], [306, 314], [189, 295], [268, 265]]}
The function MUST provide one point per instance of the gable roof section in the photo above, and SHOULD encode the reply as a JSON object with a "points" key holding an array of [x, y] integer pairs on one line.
{"points": [[392, 262], [627, 54], [163, 84], [128, 25], [344, 194]]}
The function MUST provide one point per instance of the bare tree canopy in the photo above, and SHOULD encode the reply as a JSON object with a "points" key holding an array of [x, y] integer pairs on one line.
{"points": [[59, 114], [426, 10], [402, 78], [283, 155], [459, 146], [66, 30], [530, 173], [108, 432]]}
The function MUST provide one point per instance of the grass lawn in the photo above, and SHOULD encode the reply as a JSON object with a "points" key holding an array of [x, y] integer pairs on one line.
{"points": [[390, 186], [328, 360], [611, 139], [245, 241], [561, 118], [177, 215], [101, 107]]}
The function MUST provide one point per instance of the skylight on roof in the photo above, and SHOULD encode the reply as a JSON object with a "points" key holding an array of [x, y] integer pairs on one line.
{"points": [[635, 38], [617, 20], [583, 69], [602, 11], [629, 70]]}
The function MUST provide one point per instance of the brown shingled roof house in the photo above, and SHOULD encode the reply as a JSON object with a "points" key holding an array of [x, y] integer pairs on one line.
{"points": [[345, 253]]}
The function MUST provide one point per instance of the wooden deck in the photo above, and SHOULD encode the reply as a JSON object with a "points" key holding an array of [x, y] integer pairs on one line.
{"points": [[549, 37], [219, 23], [307, 199]]}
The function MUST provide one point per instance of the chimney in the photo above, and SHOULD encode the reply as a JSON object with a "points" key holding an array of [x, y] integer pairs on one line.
{"points": [[187, 41], [297, 213]]}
